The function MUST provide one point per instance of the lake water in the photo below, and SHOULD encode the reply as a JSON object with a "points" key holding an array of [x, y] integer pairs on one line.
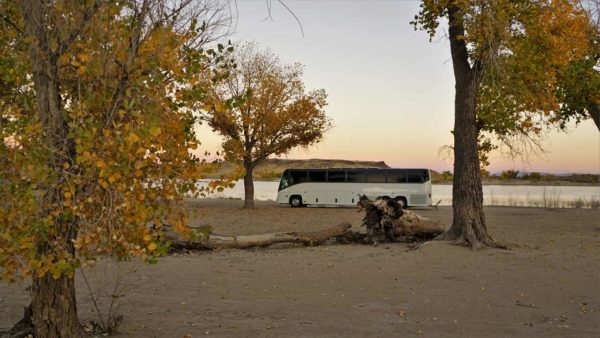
{"points": [[505, 195]]}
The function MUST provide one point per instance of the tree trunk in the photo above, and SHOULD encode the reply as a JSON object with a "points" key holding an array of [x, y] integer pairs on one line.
{"points": [[468, 223], [54, 310], [594, 110], [54, 307], [248, 185]]}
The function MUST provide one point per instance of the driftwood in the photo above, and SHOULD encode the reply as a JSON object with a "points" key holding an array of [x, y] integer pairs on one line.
{"points": [[214, 241], [385, 222]]}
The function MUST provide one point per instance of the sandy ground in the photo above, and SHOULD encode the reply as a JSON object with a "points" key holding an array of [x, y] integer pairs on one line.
{"points": [[547, 285]]}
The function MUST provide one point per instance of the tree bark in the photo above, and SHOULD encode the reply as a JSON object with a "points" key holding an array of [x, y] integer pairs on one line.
{"points": [[54, 307], [248, 185], [468, 223], [594, 110]]}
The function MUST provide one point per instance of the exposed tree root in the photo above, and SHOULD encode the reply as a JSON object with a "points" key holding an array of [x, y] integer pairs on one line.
{"points": [[24, 327], [471, 239]]}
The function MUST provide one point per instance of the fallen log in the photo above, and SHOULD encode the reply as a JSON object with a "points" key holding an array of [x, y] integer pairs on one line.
{"points": [[412, 227], [385, 222], [215, 241]]}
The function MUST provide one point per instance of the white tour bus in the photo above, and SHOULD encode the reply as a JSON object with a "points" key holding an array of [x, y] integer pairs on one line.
{"points": [[341, 187]]}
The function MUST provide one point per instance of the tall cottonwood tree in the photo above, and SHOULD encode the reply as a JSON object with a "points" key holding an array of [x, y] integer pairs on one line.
{"points": [[95, 129], [525, 42], [264, 110]]}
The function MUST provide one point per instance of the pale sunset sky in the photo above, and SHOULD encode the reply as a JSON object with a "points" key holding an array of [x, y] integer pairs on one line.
{"points": [[391, 91]]}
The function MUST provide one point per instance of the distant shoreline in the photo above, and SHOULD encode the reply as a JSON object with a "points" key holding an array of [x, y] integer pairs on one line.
{"points": [[270, 171], [526, 183], [490, 182]]}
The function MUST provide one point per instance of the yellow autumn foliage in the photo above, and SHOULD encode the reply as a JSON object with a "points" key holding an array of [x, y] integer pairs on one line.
{"points": [[90, 184]]}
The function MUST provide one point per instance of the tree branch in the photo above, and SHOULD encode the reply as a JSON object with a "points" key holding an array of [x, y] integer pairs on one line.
{"points": [[87, 15], [11, 23], [134, 44]]}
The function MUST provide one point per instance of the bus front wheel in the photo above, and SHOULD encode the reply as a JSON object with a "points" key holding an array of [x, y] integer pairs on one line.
{"points": [[296, 201]]}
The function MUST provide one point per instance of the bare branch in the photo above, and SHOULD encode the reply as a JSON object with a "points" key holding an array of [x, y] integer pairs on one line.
{"points": [[294, 14]]}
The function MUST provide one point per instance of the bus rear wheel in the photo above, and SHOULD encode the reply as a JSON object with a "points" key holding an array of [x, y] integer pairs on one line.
{"points": [[402, 201], [296, 201]]}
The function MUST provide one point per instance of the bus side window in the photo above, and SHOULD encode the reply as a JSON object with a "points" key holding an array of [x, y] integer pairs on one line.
{"points": [[396, 176], [425, 175], [415, 177], [316, 176], [336, 176], [356, 176], [298, 176], [376, 176]]}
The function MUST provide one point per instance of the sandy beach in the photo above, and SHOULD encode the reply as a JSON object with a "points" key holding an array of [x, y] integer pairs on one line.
{"points": [[546, 285]]}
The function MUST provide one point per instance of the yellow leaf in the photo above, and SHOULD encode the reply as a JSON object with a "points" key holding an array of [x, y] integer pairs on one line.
{"points": [[155, 131], [100, 164], [147, 238], [67, 194], [132, 138], [151, 247], [83, 57]]}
